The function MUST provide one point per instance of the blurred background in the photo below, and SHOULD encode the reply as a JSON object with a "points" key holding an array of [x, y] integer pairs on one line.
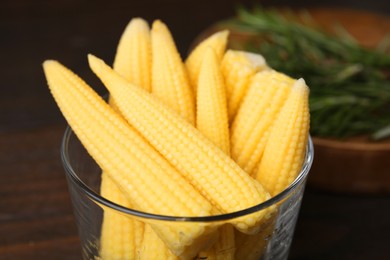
{"points": [[36, 220]]}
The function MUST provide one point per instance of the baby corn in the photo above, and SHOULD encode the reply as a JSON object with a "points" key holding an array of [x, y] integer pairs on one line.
{"points": [[224, 248], [216, 134], [208, 169], [285, 149], [250, 129], [153, 248], [150, 183], [169, 77], [121, 236], [253, 247], [212, 121], [238, 67], [133, 59], [211, 117], [217, 41]]}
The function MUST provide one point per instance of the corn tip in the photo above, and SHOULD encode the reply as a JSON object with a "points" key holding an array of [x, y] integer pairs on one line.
{"points": [[300, 85], [138, 20], [95, 63], [223, 34], [48, 62], [158, 25], [136, 23]]}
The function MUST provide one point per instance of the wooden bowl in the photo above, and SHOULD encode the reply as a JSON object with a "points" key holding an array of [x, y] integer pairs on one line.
{"points": [[356, 165], [351, 166]]}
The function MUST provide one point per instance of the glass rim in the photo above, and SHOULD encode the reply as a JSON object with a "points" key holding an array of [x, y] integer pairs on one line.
{"points": [[91, 194]]}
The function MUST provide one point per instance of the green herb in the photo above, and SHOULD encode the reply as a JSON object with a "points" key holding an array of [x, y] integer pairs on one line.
{"points": [[350, 93]]}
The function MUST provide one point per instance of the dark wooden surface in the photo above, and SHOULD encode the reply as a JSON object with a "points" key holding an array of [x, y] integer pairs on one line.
{"points": [[36, 220]]}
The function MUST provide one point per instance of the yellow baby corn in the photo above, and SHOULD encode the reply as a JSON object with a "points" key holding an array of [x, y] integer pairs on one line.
{"points": [[169, 77], [250, 129], [285, 149], [224, 248], [212, 121], [153, 247], [253, 246], [210, 170], [217, 41], [149, 182], [133, 57], [211, 110], [121, 236], [238, 67]]}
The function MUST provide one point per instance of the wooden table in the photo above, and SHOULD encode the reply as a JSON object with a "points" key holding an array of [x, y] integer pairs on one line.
{"points": [[36, 220]]}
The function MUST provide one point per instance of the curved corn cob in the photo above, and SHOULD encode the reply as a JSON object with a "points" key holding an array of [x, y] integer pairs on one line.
{"points": [[211, 117], [250, 129], [238, 67], [217, 41], [121, 236], [211, 171], [133, 57], [148, 180], [169, 77], [286, 147]]}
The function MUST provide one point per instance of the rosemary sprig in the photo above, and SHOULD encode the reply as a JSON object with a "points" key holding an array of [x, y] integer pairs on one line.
{"points": [[350, 92]]}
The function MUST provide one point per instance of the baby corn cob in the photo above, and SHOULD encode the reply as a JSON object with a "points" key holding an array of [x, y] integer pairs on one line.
{"points": [[210, 170], [285, 149], [250, 129], [217, 41], [211, 117], [224, 248], [149, 182], [121, 236], [238, 67], [252, 247], [133, 57], [212, 121], [153, 247], [169, 77]]}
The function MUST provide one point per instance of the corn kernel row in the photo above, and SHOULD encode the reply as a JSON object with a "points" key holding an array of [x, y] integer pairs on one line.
{"points": [[148, 180]]}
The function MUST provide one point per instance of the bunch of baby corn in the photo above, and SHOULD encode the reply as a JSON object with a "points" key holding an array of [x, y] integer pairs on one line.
{"points": [[218, 133]]}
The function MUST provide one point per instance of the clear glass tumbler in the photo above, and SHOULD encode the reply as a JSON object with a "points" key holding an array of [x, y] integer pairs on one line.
{"points": [[271, 241]]}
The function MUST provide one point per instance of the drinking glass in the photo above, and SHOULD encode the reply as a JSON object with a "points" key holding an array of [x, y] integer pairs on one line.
{"points": [[272, 240]]}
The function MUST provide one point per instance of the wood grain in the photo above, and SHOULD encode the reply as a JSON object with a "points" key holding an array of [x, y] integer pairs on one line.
{"points": [[36, 220]]}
